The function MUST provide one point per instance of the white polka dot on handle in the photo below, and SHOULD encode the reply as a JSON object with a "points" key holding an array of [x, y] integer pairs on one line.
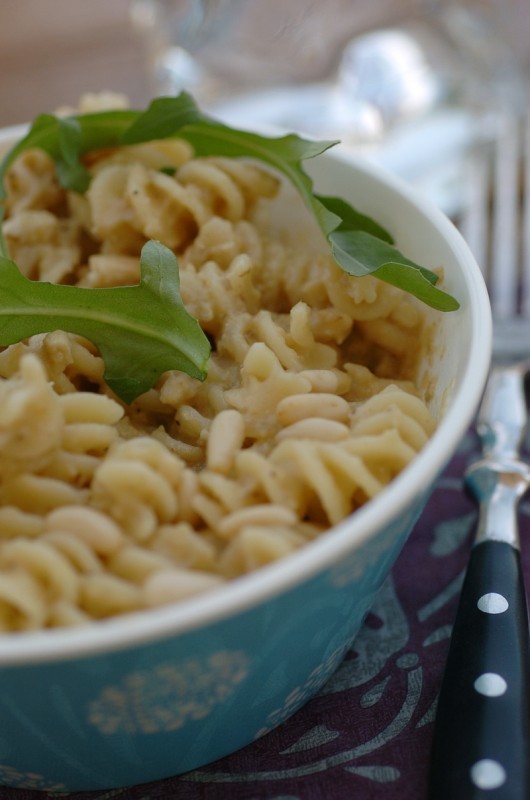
{"points": [[492, 603], [490, 684], [488, 774]]}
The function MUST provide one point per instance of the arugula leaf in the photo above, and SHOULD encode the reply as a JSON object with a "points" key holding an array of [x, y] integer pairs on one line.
{"points": [[379, 258], [170, 116], [68, 140], [140, 331], [353, 220]]}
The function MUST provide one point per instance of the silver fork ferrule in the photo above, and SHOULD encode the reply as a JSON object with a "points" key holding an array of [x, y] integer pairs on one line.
{"points": [[500, 478], [502, 417], [498, 487]]}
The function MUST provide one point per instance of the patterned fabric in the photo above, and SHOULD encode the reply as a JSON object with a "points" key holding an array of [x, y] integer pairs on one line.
{"points": [[367, 734]]}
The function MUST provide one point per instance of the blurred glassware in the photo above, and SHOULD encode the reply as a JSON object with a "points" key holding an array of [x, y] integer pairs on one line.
{"points": [[219, 48], [404, 82]]}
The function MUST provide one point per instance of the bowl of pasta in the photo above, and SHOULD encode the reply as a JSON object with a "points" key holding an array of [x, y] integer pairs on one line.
{"points": [[231, 368]]}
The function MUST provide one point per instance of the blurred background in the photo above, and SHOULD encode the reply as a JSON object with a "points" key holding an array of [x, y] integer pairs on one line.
{"points": [[50, 53], [408, 82]]}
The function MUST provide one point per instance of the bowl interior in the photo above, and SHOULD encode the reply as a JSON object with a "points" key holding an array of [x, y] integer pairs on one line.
{"points": [[458, 357]]}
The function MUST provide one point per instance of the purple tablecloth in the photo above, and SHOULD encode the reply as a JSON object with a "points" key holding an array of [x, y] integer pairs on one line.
{"points": [[368, 733]]}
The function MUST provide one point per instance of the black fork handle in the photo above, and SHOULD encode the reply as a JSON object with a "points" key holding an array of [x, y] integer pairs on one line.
{"points": [[482, 732]]}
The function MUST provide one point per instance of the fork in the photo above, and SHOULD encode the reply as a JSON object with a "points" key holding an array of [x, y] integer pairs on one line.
{"points": [[482, 728]]}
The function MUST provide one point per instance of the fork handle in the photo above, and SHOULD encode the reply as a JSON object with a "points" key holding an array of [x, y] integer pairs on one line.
{"points": [[482, 729]]}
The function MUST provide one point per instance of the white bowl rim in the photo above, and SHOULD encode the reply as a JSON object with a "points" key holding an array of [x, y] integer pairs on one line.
{"points": [[240, 595]]}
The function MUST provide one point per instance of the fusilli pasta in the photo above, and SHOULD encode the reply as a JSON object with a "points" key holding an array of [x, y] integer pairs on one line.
{"points": [[308, 411]]}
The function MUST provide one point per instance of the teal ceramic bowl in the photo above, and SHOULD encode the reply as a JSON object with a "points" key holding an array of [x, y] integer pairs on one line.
{"points": [[162, 692]]}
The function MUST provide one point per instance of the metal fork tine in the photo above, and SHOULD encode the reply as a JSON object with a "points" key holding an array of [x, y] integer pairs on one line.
{"points": [[525, 244], [473, 221], [504, 249]]}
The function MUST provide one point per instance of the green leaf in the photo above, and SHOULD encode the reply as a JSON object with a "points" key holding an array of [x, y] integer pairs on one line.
{"points": [[164, 117], [418, 283], [140, 331], [360, 253], [170, 116], [353, 220], [68, 140]]}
